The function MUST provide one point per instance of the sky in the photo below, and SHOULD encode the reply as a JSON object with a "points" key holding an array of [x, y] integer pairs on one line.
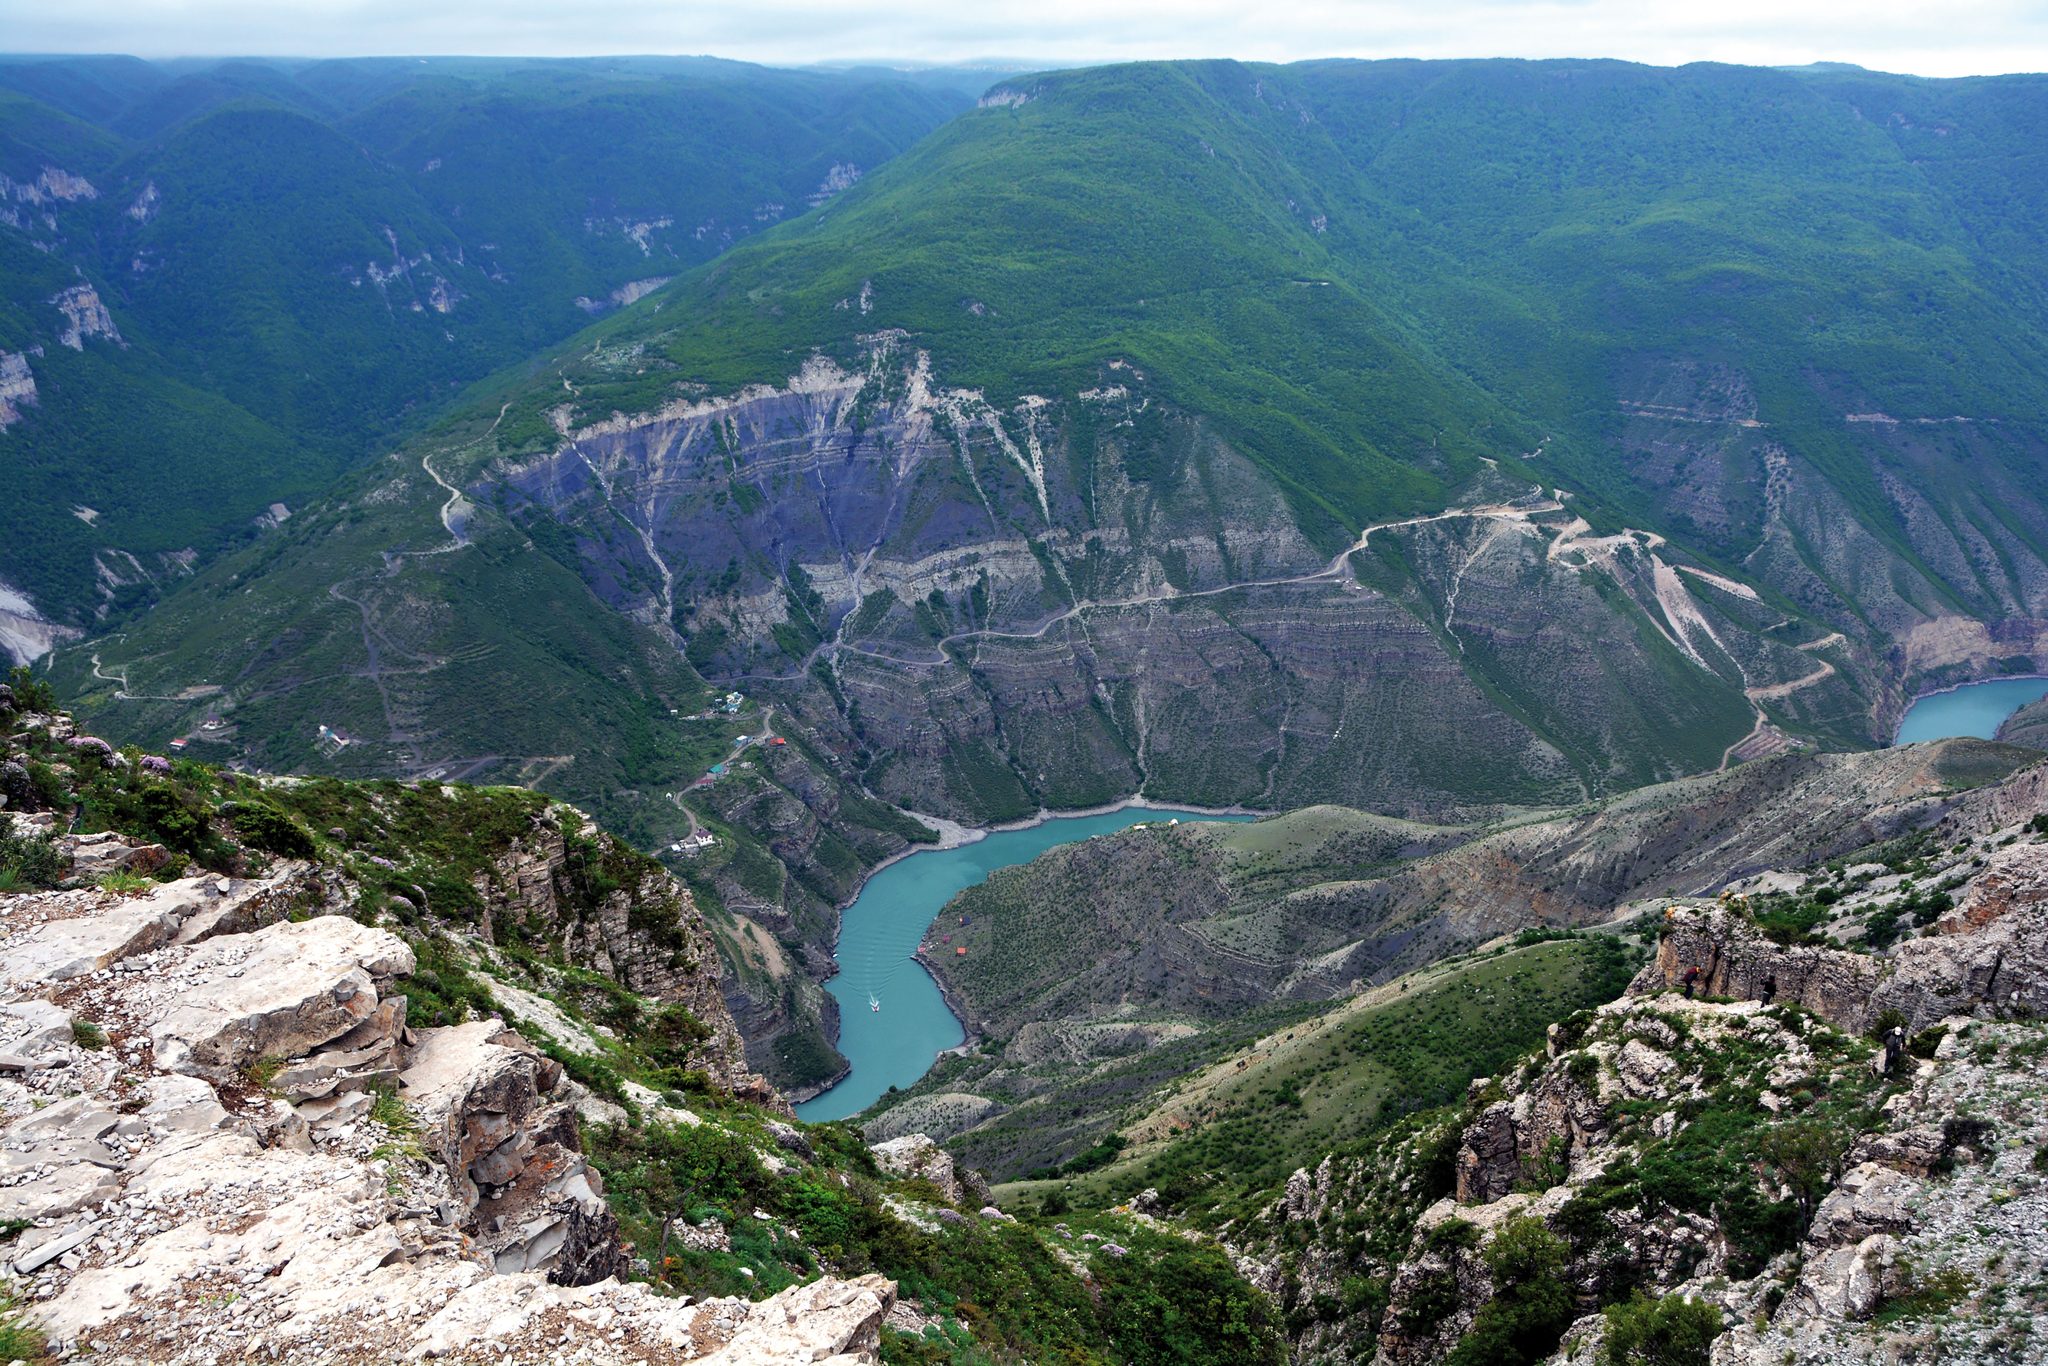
{"points": [[1924, 37]]}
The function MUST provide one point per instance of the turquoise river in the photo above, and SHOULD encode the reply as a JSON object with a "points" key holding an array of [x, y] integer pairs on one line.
{"points": [[897, 1044], [1974, 709]]}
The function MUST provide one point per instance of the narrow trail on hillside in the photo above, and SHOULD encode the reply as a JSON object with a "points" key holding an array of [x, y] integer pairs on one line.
{"points": [[452, 520], [121, 693], [1333, 571], [1776, 691]]}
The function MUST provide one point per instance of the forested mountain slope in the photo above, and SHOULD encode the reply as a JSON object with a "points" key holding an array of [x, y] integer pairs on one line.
{"points": [[221, 284]]}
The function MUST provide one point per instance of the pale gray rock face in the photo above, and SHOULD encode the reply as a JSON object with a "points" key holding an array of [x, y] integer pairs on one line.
{"points": [[17, 387], [493, 1111], [84, 317], [180, 1212], [288, 990], [916, 1155]]}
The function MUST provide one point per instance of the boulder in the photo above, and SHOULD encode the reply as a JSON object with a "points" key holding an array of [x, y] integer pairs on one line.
{"points": [[1918, 1151], [478, 1088], [791, 1140], [1553, 1122], [36, 1030], [1848, 1283], [1489, 1161], [95, 856], [520, 1318], [1643, 1070], [1868, 1199], [281, 993]]}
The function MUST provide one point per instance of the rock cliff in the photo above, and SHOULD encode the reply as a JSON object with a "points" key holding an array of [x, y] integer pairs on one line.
{"points": [[229, 1146], [1807, 1133], [634, 925]]}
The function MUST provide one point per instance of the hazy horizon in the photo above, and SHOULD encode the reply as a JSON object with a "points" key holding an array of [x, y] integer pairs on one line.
{"points": [[1978, 37]]}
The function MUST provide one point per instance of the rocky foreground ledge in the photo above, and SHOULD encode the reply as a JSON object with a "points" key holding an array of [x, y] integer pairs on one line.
{"points": [[221, 1142]]}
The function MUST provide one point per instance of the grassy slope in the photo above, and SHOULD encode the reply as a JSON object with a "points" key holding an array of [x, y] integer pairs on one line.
{"points": [[1229, 1132]]}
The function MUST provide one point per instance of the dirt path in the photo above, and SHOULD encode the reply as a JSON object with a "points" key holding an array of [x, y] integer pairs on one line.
{"points": [[942, 652], [1773, 691]]}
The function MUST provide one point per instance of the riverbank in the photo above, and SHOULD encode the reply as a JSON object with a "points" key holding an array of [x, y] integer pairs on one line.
{"points": [[969, 1035], [953, 835], [883, 925]]}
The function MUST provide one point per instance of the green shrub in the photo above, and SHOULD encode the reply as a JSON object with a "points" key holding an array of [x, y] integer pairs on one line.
{"points": [[671, 1035], [19, 1340], [1929, 1297], [1179, 1302], [28, 862], [173, 817], [1923, 1044], [1673, 1331], [263, 826], [31, 693]]}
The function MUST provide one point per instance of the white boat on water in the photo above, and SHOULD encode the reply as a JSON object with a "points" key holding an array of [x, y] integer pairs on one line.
{"points": [[874, 1004]]}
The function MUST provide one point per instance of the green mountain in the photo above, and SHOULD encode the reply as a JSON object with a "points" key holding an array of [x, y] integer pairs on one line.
{"points": [[1109, 369], [1437, 440], [295, 263]]}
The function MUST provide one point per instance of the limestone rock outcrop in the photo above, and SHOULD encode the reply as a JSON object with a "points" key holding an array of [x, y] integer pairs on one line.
{"points": [[491, 1113], [1551, 1123], [643, 934], [289, 991], [180, 1208], [917, 1156], [1989, 952]]}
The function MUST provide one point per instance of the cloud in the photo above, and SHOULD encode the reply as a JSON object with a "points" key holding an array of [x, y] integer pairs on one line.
{"points": [[1959, 38]]}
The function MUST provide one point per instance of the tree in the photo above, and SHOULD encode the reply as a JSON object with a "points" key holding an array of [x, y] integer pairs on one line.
{"points": [[1531, 1305]]}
